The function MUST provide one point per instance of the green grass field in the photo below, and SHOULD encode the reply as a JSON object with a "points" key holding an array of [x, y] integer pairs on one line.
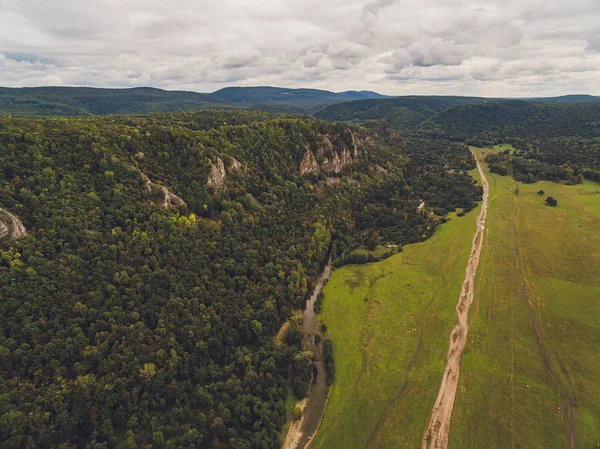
{"points": [[375, 314], [384, 315], [507, 396]]}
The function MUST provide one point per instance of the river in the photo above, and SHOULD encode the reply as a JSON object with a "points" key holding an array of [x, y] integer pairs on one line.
{"points": [[301, 433]]}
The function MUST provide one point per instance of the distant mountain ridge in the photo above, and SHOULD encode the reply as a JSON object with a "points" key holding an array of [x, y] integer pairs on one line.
{"points": [[574, 98], [400, 112], [142, 100], [70, 101], [310, 98]]}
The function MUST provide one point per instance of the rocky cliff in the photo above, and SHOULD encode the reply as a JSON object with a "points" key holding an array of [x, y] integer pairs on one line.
{"points": [[169, 199], [235, 165], [330, 158], [11, 227], [216, 178], [309, 163]]}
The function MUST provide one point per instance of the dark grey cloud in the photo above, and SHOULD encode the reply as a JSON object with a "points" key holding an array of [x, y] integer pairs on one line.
{"points": [[495, 47], [593, 43]]}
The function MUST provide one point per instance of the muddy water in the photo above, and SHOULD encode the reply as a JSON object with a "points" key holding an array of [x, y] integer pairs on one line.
{"points": [[313, 412]]}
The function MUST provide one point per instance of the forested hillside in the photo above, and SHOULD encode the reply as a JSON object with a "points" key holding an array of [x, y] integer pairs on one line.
{"points": [[568, 99], [568, 160], [399, 112], [161, 254], [69, 101], [479, 120], [516, 118], [308, 99]]}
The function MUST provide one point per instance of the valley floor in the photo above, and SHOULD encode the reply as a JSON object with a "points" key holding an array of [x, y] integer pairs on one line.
{"points": [[390, 323], [529, 372], [530, 378]]}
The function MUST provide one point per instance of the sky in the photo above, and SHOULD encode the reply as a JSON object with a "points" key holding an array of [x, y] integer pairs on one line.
{"points": [[495, 48]]}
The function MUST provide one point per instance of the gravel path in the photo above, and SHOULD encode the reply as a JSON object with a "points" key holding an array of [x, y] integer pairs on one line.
{"points": [[438, 428]]}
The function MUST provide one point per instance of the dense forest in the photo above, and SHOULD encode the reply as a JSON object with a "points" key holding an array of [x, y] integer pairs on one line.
{"points": [[451, 116], [400, 112], [556, 138], [72, 101], [569, 160], [162, 253], [492, 121], [482, 121]]}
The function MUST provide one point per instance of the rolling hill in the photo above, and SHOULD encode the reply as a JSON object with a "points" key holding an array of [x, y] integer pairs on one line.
{"points": [[577, 98], [517, 118], [400, 112], [92, 101], [69, 101], [297, 98]]}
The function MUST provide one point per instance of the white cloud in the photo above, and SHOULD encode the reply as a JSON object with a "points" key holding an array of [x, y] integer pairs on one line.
{"points": [[495, 47]]}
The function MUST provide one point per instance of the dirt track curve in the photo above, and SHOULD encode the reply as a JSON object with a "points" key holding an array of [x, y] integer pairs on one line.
{"points": [[438, 427]]}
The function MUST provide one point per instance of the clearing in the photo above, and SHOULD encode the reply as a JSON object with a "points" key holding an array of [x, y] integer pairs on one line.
{"points": [[529, 371], [390, 322]]}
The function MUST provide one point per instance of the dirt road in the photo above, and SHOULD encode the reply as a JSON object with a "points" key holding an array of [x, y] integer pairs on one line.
{"points": [[438, 427]]}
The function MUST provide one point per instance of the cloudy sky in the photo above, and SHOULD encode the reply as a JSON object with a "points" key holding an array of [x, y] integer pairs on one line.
{"points": [[488, 48]]}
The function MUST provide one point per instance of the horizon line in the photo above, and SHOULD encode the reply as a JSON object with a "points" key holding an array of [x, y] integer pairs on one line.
{"points": [[297, 88]]}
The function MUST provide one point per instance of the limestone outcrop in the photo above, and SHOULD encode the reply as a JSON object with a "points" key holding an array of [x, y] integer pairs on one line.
{"points": [[235, 165], [11, 228], [216, 177], [330, 158], [309, 163], [169, 199]]}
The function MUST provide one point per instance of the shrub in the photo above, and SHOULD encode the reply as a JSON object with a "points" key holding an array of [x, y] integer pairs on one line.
{"points": [[302, 372], [296, 414], [328, 359]]}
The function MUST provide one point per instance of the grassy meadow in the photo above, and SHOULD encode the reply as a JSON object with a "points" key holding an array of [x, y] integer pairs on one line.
{"points": [[540, 267], [390, 322], [381, 317]]}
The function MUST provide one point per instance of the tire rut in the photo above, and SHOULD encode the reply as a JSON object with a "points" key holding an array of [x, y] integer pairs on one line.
{"points": [[412, 361], [550, 356], [409, 366]]}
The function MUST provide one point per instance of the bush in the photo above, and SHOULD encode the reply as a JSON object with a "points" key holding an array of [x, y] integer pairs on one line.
{"points": [[294, 337], [302, 372], [550, 201], [319, 302], [328, 359], [296, 414]]}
